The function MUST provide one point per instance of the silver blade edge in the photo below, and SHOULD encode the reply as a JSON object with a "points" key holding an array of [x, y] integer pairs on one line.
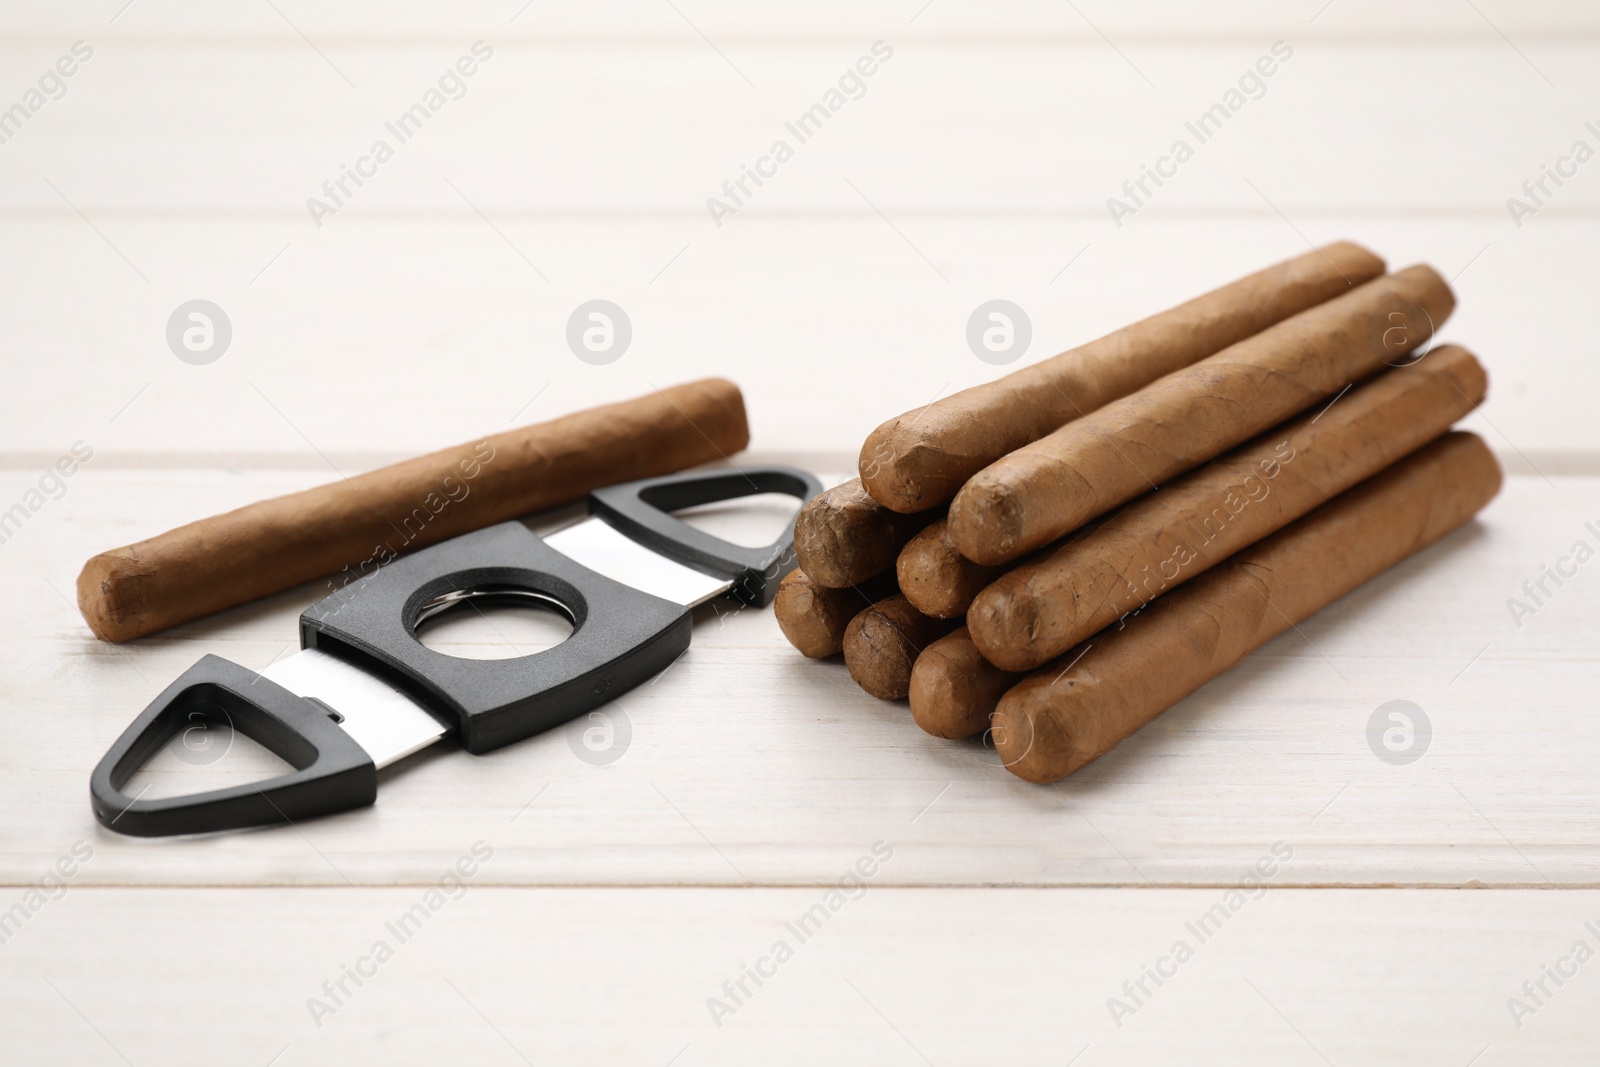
{"points": [[603, 548], [382, 719]]}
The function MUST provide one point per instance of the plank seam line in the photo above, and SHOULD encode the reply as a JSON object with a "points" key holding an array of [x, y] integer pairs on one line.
{"points": [[532, 38], [1352, 213], [1542, 887]]}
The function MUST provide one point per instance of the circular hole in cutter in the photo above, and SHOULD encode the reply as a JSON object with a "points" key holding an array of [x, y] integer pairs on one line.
{"points": [[493, 622]]}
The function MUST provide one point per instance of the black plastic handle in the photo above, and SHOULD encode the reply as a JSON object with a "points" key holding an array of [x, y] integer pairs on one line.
{"points": [[332, 773], [640, 510], [621, 637]]}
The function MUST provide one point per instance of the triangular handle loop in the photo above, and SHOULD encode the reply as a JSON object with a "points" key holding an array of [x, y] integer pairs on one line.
{"points": [[331, 772], [640, 510]]}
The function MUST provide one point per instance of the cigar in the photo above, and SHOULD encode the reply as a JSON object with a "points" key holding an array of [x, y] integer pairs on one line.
{"points": [[1041, 608], [813, 617], [917, 461], [1029, 498], [1061, 717], [350, 528], [954, 689], [842, 537], [882, 642], [937, 579]]}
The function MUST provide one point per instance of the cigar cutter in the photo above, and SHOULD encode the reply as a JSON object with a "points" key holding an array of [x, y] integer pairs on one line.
{"points": [[363, 692]]}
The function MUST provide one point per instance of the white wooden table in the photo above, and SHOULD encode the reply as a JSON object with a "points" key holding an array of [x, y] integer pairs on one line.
{"points": [[1001, 920]]}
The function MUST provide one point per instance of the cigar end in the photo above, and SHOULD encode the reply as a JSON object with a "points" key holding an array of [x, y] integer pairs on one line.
{"points": [[903, 472], [1487, 478], [725, 413], [926, 593], [1414, 305], [878, 655], [927, 578], [842, 537], [933, 697], [986, 521], [100, 588], [1358, 263], [953, 690], [823, 544], [882, 643], [805, 617], [940, 690], [1030, 741], [1004, 623], [1471, 377]]}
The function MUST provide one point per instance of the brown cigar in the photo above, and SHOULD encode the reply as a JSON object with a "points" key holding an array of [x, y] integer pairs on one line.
{"points": [[1040, 609], [1061, 717], [363, 522], [919, 460], [954, 689], [813, 617], [882, 642], [841, 537], [1029, 498], [937, 579]]}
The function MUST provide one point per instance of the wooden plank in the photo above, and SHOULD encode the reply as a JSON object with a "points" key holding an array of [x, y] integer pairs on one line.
{"points": [[1029, 124], [747, 763], [373, 20], [351, 340], [893, 976]]}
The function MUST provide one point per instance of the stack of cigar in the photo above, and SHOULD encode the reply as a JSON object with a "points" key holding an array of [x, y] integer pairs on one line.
{"points": [[1061, 555]]}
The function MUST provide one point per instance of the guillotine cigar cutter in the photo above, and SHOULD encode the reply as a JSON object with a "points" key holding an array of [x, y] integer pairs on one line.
{"points": [[364, 692]]}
